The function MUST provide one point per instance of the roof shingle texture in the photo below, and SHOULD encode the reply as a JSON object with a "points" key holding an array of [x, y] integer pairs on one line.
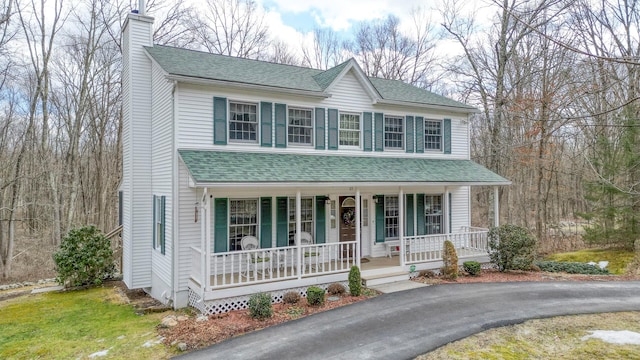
{"points": [[207, 166], [202, 65]]}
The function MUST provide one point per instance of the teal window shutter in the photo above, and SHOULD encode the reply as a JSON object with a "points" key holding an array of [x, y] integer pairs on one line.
{"points": [[221, 237], [446, 129], [450, 212], [153, 229], [266, 115], [419, 134], [265, 223], [282, 221], [163, 200], [379, 123], [320, 125], [422, 230], [320, 220], [281, 125], [219, 121], [380, 219], [408, 126], [333, 129], [368, 131], [408, 215]]}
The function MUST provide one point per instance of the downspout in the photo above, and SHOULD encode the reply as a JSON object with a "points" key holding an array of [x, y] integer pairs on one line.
{"points": [[174, 196]]}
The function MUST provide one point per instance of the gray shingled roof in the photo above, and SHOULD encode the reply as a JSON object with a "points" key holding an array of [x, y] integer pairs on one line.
{"points": [[197, 64], [210, 167]]}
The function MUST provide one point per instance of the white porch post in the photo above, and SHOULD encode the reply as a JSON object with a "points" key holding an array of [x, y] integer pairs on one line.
{"points": [[496, 207], [205, 231], [298, 230], [445, 211], [357, 249], [401, 226]]}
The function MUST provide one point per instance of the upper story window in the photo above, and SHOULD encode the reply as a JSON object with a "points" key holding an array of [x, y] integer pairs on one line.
{"points": [[243, 221], [393, 132], [243, 122], [349, 131], [300, 129], [432, 135]]}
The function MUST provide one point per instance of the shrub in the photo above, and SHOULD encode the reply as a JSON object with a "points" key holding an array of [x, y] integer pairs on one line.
{"points": [[260, 306], [511, 247], [315, 295], [336, 289], [85, 257], [472, 267], [291, 297], [571, 267], [355, 282], [450, 261]]}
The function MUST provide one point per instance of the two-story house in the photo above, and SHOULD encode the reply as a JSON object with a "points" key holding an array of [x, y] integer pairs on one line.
{"points": [[241, 176]]}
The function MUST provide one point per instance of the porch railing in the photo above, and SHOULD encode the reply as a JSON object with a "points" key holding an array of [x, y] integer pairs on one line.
{"points": [[246, 267], [423, 248]]}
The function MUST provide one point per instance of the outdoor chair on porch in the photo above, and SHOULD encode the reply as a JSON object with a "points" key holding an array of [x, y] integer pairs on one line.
{"points": [[256, 263], [310, 254]]}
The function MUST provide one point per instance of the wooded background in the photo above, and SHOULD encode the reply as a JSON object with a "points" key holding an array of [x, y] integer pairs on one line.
{"points": [[556, 83]]}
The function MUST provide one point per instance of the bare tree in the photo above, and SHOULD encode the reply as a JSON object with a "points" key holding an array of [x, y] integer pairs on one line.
{"points": [[232, 27], [281, 53], [326, 50]]}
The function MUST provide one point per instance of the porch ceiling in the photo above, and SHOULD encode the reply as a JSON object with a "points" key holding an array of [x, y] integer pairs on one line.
{"points": [[211, 168]]}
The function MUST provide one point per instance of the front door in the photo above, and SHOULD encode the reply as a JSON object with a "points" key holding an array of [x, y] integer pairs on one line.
{"points": [[347, 223]]}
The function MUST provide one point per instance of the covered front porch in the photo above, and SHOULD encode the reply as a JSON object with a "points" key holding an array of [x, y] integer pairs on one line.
{"points": [[302, 220]]}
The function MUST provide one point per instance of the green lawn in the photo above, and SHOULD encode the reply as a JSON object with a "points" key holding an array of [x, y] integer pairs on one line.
{"points": [[76, 324], [618, 259]]}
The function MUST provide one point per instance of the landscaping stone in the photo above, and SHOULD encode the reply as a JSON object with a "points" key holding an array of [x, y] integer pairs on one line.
{"points": [[169, 321], [202, 318], [333, 298], [182, 318], [182, 346]]}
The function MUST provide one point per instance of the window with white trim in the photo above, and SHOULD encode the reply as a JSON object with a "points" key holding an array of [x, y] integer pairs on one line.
{"points": [[391, 217], [433, 214], [306, 217], [243, 122], [394, 132], [300, 126], [243, 221], [349, 130], [432, 135], [157, 227]]}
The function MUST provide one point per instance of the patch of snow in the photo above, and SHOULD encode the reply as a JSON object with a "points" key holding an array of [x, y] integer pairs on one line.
{"points": [[99, 353], [621, 337], [603, 264], [121, 337], [150, 343]]}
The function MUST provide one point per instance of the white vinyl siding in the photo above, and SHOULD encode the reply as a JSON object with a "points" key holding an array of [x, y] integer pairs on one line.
{"points": [[162, 167], [189, 231]]}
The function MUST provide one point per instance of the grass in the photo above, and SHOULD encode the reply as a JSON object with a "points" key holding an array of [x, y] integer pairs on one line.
{"points": [[76, 324], [554, 338], [618, 259]]}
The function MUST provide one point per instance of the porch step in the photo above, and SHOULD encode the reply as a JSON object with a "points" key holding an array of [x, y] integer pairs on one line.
{"points": [[379, 279]]}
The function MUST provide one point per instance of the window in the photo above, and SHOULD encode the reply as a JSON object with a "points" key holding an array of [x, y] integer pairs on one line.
{"points": [[306, 217], [243, 122], [433, 214], [391, 217], [393, 132], [365, 212], [243, 221], [158, 226], [349, 134], [300, 127], [432, 135]]}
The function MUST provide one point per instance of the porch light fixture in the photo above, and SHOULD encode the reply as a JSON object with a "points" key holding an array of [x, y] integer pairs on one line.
{"points": [[375, 199]]}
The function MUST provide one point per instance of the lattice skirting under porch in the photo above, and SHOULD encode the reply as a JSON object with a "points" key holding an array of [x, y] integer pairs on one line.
{"points": [[219, 306]]}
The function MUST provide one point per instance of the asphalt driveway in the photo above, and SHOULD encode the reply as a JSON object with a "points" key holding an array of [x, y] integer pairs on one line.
{"points": [[406, 324]]}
